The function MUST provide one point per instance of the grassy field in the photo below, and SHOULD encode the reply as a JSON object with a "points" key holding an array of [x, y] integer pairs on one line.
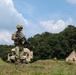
{"points": [[40, 67]]}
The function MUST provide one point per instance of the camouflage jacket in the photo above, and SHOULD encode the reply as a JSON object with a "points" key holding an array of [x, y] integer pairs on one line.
{"points": [[16, 36]]}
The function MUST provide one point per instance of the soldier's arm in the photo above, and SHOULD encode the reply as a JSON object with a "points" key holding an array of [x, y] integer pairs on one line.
{"points": [[22, 35], [14, 36]]}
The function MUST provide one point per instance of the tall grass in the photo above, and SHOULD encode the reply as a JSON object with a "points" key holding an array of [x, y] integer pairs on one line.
{"points": [[40, 67]]}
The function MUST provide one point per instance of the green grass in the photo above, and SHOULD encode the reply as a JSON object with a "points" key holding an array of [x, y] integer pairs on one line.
{"points": [[40, 67]]}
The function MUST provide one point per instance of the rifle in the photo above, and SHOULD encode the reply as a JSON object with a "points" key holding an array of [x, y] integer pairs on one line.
{"points": [[20, 39]]}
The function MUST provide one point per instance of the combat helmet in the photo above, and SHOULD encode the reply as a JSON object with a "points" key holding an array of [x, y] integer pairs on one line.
{"points": [[19, 26]]}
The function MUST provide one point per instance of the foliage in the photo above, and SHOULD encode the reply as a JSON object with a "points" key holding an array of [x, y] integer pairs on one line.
{"points": [[48, 45], [4, 50]]}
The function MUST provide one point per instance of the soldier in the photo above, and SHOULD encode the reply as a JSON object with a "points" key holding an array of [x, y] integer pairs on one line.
{"points": [[19, 39]]}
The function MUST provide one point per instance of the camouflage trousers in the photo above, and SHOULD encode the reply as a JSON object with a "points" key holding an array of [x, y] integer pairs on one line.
{"points": [[19, 51]]}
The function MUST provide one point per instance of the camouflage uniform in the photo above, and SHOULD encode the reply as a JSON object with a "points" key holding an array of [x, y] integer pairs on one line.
{"points": [[18, 45]]}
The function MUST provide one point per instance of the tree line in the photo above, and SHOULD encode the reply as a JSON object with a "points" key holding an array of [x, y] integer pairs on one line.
{"points": [[48, 45]]}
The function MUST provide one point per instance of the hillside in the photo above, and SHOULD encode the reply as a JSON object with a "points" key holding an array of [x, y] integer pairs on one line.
{"points": [[48, 45], [40, 67], [1, 61]]}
